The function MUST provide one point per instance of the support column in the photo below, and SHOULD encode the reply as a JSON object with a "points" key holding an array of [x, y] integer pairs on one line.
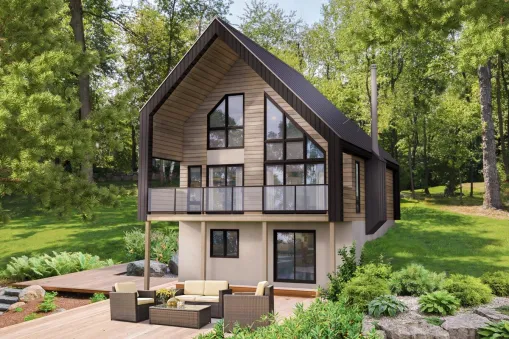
{"points": [[203, 234], [146, 273], [265, 248], [332, 246]]}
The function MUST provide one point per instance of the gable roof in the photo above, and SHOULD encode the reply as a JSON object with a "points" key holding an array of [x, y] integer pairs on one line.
{"points": [[346, 129]]}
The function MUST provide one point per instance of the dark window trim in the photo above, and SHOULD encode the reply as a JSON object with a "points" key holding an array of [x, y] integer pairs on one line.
{"points": [[305, 161], [275, 256], [357, 178], [189, 175], [226, 173], [226, 128], [225, 251]]}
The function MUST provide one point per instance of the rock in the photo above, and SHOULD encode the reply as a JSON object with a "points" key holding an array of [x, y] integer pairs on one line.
{"points": [[136, 268], [2, 289], [413, 329], [464, 326], [174, 264], [381, 334], [60, 310], [31, 293], [16, 305], [491, 314]]}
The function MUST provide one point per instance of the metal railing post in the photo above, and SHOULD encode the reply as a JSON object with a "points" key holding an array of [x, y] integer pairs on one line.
{"points": [[175, 201]]}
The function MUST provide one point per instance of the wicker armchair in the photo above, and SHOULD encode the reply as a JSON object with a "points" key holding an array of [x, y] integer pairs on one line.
{"points": [[247, 309], [129, 306]]}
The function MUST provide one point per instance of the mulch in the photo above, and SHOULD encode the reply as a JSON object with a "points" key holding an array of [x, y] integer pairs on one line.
{"points": [[62, 302]]}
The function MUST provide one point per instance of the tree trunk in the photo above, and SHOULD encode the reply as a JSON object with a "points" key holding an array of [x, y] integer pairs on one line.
{"points": [[491, 181], [471, 180], [76, 23], [134, 159], [461, 186], [506, 89], [505, 156], [412, 188], [426, 167]]}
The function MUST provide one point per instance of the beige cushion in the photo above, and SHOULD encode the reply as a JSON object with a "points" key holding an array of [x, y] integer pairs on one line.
{"points": [[194, 287], [144, 301], [187, 297], [260, 288], [212, 287], [207, 299], [126, 287]]}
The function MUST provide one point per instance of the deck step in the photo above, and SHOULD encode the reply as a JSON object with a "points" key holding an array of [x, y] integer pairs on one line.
{"points": [[6, 299], [4, 307], [13, 292]]}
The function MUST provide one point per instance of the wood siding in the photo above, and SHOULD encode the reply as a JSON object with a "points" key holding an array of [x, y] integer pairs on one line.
{"points": [[349, 209], [389, 193]]}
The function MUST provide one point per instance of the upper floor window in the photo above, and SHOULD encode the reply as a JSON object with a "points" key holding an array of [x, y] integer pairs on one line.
{"points": [[225, 125], [357, 187]]}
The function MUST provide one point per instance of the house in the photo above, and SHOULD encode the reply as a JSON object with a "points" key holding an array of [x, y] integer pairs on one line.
{"points": [[274, 179]]}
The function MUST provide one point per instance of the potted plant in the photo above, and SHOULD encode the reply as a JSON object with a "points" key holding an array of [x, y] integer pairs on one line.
{"points": [[172, 302], [164, 294]]}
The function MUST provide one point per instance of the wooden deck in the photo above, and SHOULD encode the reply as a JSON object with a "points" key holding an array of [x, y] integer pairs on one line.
{"points": [[93, 321], [95, 281]]}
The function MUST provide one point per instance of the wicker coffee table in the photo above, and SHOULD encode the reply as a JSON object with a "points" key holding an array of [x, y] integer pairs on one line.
{"points": [[194, 316]]}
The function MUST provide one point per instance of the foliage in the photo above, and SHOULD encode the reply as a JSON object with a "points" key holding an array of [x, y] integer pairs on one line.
{"points": [[469, 290], [97, 297], [164, 244], [415, 280], [437, 321], [498, 282], [439, 302], [369, 282], [495, 330], [164, 294], [386, 305], [343, 274], [31, 316], [216, 333], [322, 319], [42, 266], [48, 304], [503, 310], [18, 309]]}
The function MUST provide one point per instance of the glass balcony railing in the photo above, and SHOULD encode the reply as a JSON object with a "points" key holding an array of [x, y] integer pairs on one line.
{"points": [[240, 199]]}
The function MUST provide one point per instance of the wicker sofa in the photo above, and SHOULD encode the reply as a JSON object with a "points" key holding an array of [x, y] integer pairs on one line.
{"points": [[129, 304], [247, 308], [205, 292]]}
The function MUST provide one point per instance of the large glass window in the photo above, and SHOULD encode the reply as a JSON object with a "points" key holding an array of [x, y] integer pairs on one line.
{"points": [[223, 193], [226, 123], [295, 256], [165, 173], [221, 176], [224, 243]]}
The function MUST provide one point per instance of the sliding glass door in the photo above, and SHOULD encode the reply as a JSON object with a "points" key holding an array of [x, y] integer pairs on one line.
{"points": [[295, 256]]}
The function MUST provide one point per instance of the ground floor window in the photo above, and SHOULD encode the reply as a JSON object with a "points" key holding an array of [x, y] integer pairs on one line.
{"points": [[295, 256], [224, 243]]}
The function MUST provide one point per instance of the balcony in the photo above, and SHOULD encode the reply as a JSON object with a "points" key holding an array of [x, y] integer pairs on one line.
{"points": [[239, 199]]}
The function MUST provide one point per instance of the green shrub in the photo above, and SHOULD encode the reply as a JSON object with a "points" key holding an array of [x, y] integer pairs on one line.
{"points": [[503, 309], [415, 280], [379, 270], [439, 302], [469, 290], [163, 244], [498, 282], [97, 297], [437, 321], [48, 303], [343, 274], [495, 330], [43, 266], [386, 305], [18, 310], [216, 333], [322, 319], [31, 316]]}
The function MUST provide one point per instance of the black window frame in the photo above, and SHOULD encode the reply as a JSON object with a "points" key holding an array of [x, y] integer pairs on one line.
{"points": [[297, 281], [227, 128], [357, 179], [225, 250], [226, 174], [305, 137], [189, 175]]}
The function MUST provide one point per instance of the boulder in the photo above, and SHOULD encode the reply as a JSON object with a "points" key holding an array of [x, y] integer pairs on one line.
{"points": [[412, 329], [31, 293], [2, 289], [491, 314], [16, 305], [174, 264], [464, 326], [157, 269]]}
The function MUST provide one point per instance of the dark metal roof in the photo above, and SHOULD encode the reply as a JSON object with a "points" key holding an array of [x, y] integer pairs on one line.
{"points": [[344, 127]]}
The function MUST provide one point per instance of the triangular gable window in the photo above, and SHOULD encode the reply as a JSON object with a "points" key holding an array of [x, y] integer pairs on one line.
{"points": [[225, 123]]}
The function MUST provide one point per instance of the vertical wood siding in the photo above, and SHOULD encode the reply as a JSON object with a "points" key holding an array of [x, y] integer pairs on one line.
{"points": [[349, 205]]}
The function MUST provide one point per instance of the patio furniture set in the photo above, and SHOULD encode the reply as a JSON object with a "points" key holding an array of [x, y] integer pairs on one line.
{"points": [[202, 300]]}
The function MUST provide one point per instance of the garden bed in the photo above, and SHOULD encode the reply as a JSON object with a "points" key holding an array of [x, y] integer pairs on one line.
{"points": [[63, 303]]}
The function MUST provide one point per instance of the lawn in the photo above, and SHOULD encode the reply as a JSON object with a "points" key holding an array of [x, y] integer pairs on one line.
{"points": [[31, 231], [442, 240]]}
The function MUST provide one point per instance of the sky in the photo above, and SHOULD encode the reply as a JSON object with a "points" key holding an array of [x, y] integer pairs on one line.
{"points": [[308, 10]]}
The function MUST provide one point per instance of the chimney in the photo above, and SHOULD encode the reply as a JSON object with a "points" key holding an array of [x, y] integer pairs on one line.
{"points": [[374, 112]]}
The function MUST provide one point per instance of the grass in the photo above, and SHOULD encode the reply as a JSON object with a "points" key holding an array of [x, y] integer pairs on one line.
{"points": [[444, 241], [435, 321], [503, 310], [32, 231]]}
